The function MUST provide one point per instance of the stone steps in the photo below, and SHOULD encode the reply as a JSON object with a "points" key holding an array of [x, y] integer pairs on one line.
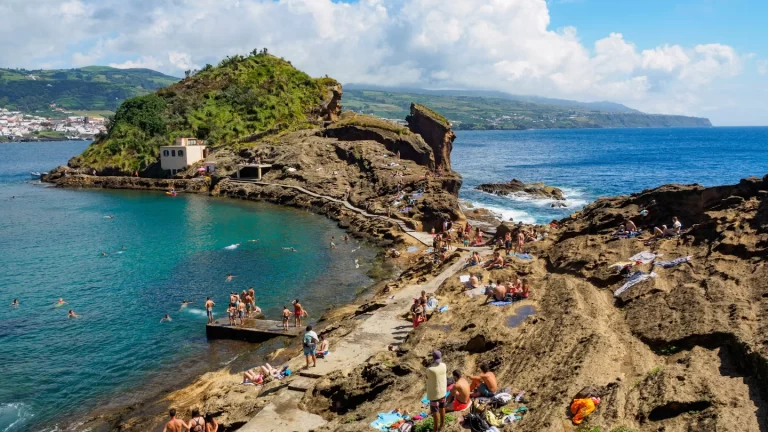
{"points": [[301, 384]]}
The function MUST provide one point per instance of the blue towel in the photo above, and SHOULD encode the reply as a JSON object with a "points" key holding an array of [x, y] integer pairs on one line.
{"points": [[443, 309], [501, 303], [524, 256], [385, 420]]}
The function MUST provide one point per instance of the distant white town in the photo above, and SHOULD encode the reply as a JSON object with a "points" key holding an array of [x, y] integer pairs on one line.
{"points": [[16, 125]]}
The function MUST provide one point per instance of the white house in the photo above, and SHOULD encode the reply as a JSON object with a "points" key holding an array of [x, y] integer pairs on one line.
{"points": [[182, 154]]}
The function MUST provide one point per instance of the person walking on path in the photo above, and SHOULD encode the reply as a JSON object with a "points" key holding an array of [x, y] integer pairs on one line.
{"points": [[437, 384], [310, 345]]}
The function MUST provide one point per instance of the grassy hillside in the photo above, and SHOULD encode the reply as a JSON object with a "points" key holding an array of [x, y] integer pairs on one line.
{"points": [[240, 97], [96, 88], [481, 112]]}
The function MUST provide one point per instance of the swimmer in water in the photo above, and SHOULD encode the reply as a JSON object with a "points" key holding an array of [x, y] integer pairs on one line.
{"points": [[61, 302], [103, 254], [123, 248], [166, 318], [15, 302], [230, 277], [109, 217], [72, 314], [185, 303], [333, 242]]}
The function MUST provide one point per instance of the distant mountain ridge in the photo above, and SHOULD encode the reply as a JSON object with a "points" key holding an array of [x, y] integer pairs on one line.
{"points": [[604, 106], [97, 88], [481, 110]]}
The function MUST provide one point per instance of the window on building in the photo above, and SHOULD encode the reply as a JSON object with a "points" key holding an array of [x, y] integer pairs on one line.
{"points": [[165, 152], [192, 142], [173, 153], [181, 152]]}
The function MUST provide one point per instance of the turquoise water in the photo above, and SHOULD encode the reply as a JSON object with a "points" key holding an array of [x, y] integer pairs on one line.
{"points": [[588, 164], [175, 249]]}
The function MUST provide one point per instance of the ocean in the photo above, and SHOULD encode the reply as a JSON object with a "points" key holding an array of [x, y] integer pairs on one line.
{"points": [[591, 163], [183, 247], [160, 250]]}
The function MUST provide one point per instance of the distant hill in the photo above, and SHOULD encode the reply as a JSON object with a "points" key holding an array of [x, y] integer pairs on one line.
{"points": [[242, 97], [93, 88], [470, 109]]}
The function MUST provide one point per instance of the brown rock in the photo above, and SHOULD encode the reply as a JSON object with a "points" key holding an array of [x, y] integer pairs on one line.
{"points": [[516, 186], [436, 131]]}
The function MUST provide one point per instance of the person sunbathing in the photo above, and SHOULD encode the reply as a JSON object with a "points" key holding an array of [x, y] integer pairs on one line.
{"points": [[257, 375], [629, 225], [474, 259], [496, 292], [496, 263], [485, 384], [459, 399], [668, 232]]}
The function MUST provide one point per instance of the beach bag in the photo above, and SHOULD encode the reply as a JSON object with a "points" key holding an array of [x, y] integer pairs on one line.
{"points": [[475, 423], [587, 392], [406, 427]]}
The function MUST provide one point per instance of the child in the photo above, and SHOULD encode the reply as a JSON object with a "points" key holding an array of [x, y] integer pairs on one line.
{"points": [[231, 312]]}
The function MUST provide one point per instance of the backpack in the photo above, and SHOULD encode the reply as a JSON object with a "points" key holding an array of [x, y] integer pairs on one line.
{"points": [[474, 421], [406, 427]]}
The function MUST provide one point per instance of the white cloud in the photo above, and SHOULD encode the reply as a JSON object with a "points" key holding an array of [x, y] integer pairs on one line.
{"points": [[144, 62], [762, 67], [491, 44]]}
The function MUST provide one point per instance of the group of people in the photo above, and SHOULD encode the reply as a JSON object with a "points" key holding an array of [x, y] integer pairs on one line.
{"points": [[241, 306], [517, 245], [419, 309], [455, 394], [509, 291], [310, 347], [197, 423], [61, 302], [628, 228]]}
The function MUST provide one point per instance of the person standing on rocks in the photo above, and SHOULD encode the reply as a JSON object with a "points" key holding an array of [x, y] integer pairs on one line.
{"points": [[347, 191], [174, 424], [310, 345], [209, 304], [437, 383]]}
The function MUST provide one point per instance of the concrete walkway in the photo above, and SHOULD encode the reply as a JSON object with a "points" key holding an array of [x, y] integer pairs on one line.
{"points": [[383, 328], [422, 237]]}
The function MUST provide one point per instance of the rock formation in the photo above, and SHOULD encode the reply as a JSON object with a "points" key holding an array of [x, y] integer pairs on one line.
{"points": [[516, 186], [436, 131]]}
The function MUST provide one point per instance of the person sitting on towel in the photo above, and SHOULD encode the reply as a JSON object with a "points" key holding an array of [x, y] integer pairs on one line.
{"points": [[496, 262], [322, 349], [485, 384], [496, 292], [668, 232], [629, 225], [459, 399]]}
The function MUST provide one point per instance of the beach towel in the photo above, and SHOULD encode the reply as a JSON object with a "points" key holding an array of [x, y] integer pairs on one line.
{"points": [[405, 210], [385, 420], [417, 195], [443, 309], [524, 256], [628, 234], [475, 292], [644, 257], [501, 303], [674, 262], [464, 278], [431, 303], [634, 279], [412, 249]]}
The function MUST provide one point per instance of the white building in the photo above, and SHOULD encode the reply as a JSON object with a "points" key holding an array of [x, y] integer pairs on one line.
{"points": [[184, 153]]}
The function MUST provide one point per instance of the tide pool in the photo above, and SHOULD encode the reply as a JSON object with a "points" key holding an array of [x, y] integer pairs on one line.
{"points": [[160, 250]]}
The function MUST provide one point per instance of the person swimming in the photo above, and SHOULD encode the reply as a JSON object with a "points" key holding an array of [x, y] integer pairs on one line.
{"points": [[72, 314], [185, 303], [59, 303], [230, 277], [123, 248], [15, 302], [166, 318], [109, 217], [103, 254]]}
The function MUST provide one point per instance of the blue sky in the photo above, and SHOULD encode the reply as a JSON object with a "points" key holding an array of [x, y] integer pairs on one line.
{"points": [[691, 57]]}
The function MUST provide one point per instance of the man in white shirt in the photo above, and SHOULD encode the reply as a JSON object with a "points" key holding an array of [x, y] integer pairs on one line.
{"points": [[437, 384]]}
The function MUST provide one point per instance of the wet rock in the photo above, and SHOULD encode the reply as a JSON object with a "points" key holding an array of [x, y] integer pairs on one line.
{"points": [[516, 186]]}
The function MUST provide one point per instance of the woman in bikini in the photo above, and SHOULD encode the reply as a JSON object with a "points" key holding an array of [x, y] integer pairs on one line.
{"points": [[197, 424]]}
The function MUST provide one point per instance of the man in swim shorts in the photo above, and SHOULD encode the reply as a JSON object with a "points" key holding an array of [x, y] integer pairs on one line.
{"points": [[333, 242], [459, 399], [310, 343], [209, 304], [286, 315], [436, 388], [486, 384], [241, 311], [298, 313]]}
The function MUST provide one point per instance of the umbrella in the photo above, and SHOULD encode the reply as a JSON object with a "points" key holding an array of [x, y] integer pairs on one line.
{"points": [[200, 169]]}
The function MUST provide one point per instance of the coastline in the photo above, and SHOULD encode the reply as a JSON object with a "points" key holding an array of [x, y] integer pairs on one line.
{"points": [[148, 409]]}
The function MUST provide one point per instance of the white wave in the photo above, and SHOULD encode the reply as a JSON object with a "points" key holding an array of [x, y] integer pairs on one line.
{"points": [[505, 213], [13, 416], [232, 247], [194, 311]]}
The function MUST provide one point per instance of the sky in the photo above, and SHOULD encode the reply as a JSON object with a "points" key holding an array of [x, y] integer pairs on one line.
{"points": [[691, 57]]}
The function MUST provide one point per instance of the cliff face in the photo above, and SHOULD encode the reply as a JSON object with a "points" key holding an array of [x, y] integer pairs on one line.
{"points": [[436, 131]]}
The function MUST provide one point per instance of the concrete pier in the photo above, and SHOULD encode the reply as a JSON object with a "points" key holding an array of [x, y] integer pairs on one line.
{"points": [[252, 330]]}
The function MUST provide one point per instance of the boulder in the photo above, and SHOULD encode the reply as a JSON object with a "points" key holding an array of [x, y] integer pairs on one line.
{"points": [[411, 147], [436, 131], [517, 186]]}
